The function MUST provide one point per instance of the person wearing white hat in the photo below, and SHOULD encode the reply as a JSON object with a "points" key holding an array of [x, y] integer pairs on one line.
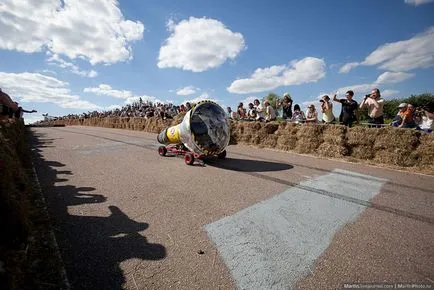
{"points": [[311, 114]]}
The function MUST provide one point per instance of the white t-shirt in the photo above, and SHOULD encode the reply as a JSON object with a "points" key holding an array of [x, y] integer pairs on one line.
{"points": [[270, 113], [260, 111], [427, 123]]}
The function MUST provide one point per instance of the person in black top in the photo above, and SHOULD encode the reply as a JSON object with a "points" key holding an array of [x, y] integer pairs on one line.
{"points": [[349, 109], [286, 104]]}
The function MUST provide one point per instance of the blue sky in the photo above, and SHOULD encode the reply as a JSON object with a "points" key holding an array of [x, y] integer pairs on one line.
{"points": [[62, 57]]}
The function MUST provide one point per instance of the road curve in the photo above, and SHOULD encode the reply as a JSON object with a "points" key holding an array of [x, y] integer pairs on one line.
{"points": [[125, 217]]}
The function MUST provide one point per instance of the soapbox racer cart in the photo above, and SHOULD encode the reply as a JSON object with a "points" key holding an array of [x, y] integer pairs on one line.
{"points": [[189, 157]]}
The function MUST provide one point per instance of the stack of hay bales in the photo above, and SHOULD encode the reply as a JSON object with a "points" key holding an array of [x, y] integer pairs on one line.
{"points": [[395, 146], [156, 125], [425, 152], [309, 137], [287, 136], [247, 132], [335, 143], [360, 142], [267, 135]]}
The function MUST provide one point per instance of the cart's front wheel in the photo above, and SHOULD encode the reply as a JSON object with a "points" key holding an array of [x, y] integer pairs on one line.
{"points": [[189, 159], [162, 150], [222, 155]]}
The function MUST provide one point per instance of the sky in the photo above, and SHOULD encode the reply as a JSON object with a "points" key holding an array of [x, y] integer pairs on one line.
{"points": [[72, 56]]}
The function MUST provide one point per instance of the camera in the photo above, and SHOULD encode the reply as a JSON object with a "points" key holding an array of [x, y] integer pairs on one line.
{"points": [[322, 101]]}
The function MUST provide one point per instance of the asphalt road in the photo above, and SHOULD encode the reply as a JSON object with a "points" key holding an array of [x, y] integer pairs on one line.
{"points": [[125, 217]]}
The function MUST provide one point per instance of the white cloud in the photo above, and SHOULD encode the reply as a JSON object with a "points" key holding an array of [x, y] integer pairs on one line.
{"points": [[32, 118], [363, 89], [393, 77], [106, 90], [186, 91], [35, 87], [307, 70], [405, 55], [128, 96], [418, 2], [199, 44], [348, 66], [56, 60], [94, 30], [248, 100], [79, 104], [202, 97], [135, 99], [113, 107]]}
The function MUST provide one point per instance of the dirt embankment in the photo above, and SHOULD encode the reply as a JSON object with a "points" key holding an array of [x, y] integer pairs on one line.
{"points": [[27, 259], [397, 148]]}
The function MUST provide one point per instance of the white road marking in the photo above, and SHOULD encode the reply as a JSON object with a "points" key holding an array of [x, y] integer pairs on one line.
{"points": [[271, 245]]}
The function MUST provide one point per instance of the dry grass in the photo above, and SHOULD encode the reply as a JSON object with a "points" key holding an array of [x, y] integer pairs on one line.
{"points": [[403, 139], [398, 157], [363, 152], [361, 136]]}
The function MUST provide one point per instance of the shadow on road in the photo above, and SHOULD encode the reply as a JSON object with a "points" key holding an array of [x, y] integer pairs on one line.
{"points": [[92, 247], [247, 165]]}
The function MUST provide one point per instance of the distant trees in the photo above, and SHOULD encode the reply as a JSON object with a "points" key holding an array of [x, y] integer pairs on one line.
{"points": [[273, 99]]}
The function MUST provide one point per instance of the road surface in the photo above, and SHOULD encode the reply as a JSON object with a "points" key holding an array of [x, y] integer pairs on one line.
{"points": [[125, 217]]}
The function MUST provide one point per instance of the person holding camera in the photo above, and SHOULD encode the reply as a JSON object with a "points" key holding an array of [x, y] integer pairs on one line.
{"points": [[375, 105], [286, 104], [427, 116], [327, 110], [348, 113]]}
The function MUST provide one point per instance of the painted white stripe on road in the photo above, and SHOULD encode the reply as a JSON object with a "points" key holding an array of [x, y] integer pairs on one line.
{"points": [[273, 244]]}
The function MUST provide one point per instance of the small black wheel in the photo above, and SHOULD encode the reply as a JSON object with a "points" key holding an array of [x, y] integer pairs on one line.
{"points": [[222, 155], [162, 151], [189, 159]]}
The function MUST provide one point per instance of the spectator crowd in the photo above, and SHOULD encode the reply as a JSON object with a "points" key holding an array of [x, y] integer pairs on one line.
{"points": [[407, 115]]}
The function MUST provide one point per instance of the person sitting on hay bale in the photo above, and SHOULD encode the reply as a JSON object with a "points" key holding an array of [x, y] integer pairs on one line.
{"points": [[260, 111], [404, 118], [298, 115], [311, 114], [270, 114]]}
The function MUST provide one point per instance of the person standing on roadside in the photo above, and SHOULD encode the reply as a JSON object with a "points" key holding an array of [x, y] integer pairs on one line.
{"points": [[375, 105], [349, 109]]}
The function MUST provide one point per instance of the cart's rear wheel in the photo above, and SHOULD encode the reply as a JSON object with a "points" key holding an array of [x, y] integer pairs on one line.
{"points": [[222, 155], [162, 150], [189, 159]]}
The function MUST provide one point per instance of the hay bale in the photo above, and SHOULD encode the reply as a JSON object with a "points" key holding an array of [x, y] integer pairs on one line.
{"points": [[309, 137], [335, 135], [178, 118], [361, 136], [425, 151], [270, 141], [399, 157], [286, 142], [310, 131], [362, 152], [270, 128], [306, 147], [332, 150], [404, 139]]}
